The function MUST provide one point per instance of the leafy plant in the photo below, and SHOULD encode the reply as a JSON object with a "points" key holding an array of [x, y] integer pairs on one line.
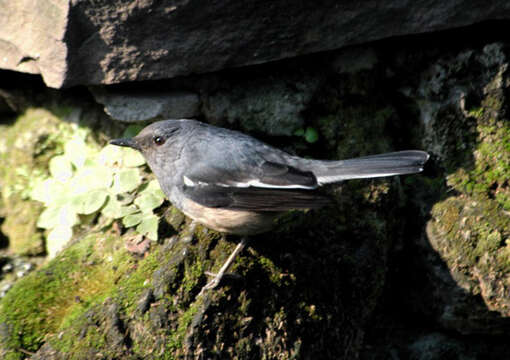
{"points": [[86, 181], [310, 134]]}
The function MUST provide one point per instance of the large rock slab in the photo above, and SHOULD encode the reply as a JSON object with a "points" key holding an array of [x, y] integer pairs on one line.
{"points": [[108, 42], [132, 106]]}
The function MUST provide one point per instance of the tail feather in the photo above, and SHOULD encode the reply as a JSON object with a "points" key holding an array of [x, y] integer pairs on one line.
{"points": [[395, 163]]}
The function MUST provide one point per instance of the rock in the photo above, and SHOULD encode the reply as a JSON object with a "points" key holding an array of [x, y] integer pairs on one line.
{"points": [[33, 38], [20, 146], [318, 278], [71, 43], [355, 59], [463, 107], [271, 104], [132, 106], [438, 346], [145, 301], [95, 300], [453, 277], [472, 295]]}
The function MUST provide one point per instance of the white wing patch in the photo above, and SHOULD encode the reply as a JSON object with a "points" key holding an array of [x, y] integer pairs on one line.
{"points": [[187, 181], [257, 183], [253, 183], [334, 178]]}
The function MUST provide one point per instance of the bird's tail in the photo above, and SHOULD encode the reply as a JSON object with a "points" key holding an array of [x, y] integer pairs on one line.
{"points": [[395, 163]]}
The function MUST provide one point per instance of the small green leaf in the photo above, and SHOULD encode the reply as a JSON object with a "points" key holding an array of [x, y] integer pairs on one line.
{"points": [[109, 155], [132, 158], [311, 135], [57, 238], [153, 186], [44, 191], [125, 198], [61, 168], [90, 202], [149, 227], [112, 156], [52, 217], [77, 151], [48, 218], [148, 201], [132, 219], [126, 180], [115, 210], [91, 178], [150, 198]]}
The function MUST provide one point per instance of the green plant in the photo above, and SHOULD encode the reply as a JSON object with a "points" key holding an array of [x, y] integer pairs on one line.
{"points": [[309, 134], [86, 182]]}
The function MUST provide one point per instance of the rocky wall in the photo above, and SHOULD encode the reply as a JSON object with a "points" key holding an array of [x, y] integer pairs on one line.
{"points": [[414, 267]]}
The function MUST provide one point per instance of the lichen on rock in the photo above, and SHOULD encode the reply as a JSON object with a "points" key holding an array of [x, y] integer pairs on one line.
{"points": [[470, 228]]}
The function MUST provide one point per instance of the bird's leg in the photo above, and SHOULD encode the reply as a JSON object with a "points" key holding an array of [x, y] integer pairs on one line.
{"points": [[219, 275], [191, 231]]}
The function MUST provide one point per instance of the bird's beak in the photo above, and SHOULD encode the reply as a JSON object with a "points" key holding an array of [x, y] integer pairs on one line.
{"points": [[126, 142]]}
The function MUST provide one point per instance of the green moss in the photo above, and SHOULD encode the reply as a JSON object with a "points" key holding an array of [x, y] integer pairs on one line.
{"points": [[194, 271], [476, 112], [25, 149], [38, 303], [490, 169], [20, 227], [119, 280], [175, 343], [58, 297], [473, 230], [174, 217], [132, 278]]}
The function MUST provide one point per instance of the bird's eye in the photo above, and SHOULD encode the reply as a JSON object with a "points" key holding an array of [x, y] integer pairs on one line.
{"points": [[158, 140]]}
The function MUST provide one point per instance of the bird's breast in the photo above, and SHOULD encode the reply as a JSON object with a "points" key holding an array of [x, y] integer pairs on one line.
{"points": [[229, 221]]}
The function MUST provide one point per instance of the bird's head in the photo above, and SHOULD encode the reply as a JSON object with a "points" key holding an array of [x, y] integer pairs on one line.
{"points": [[157, 141]]}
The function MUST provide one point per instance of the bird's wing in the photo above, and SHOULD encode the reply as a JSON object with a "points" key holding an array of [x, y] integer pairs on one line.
{"points": [[265, 187], [255, 199], [233, 171], [245, 174], [233, 160]]}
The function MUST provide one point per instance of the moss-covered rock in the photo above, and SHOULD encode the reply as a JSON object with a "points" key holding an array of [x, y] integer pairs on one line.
{"points": [[313, 281], [309, 288], [25, 148], [297, 285], [469, 229]]}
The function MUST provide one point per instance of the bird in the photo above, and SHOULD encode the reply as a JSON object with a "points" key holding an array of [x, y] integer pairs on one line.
{"points": [[235, 184]]}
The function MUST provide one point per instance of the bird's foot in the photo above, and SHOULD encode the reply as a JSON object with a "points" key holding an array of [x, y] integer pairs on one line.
{"points": [[188, 236], [219, 275], [216, 279]]}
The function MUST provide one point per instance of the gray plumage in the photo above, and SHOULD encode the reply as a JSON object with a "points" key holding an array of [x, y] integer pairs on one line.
{"points": [[218, 168]]}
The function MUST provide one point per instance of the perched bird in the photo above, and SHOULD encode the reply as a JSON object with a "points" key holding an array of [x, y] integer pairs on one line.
{"points": [[236, 184]]}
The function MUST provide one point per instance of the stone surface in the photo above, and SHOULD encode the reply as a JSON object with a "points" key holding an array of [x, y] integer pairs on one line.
{"points": [[270, 103], [467, 127], [107, 42], [289, 298], [132, 106], [451, 273], [414, 267], [32, 38]]}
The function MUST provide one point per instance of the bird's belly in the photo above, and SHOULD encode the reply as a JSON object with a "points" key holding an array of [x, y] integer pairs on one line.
{"points": [[229, 221]]}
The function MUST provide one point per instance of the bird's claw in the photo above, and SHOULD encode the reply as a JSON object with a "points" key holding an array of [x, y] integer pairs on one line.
{"points": [[212, 284], [218, 276]]}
